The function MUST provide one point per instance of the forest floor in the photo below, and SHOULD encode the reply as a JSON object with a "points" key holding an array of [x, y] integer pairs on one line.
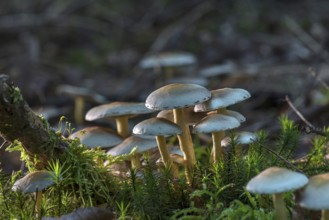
{"points": [[277, 50]]}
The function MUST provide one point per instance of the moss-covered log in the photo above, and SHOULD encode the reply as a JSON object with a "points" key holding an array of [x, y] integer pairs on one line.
{"points": [[19, 122]]}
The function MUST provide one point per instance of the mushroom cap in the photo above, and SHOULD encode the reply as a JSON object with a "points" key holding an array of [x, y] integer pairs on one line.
{"points": [[276, 180], [86, 93], [219, 69], [85, 214], [243, 137], [168, 59], [33, 182], [215, 122], [190, 117], [315, 194], [231, 113], [222, 98], [97, 137], [116, 109], [142, 145], [177, 95], [157, 127]]}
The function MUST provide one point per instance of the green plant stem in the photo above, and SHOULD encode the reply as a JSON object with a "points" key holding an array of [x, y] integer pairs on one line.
{"points": [[122, 126], [280, 207], [325, 215]]}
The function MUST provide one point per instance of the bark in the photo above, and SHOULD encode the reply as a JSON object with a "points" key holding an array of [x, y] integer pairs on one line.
{"points": [[19, 122]]}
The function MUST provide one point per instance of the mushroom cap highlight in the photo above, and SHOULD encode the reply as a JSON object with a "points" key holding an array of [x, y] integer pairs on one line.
{"points": [[315, 194], [141, 144], [97, 137], [177, 95], [276, 180], [33, 182], [116, 109], [222, 98], [215, 122], [157, 127]]}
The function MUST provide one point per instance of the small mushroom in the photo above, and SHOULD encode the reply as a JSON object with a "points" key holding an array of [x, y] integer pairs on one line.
{"points": [[34, 182], [216, 125], [141, 144], [120, 111], [80, 95], [242, 138], [160, 128], [315, 195], [276, 181]]}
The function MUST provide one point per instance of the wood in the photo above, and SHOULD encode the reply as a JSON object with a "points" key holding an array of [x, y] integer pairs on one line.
{"points": [[19, 122]]}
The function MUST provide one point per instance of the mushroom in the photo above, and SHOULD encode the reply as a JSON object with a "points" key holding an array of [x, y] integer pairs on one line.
{"points": [[177, 97], [315, 194], [160, 128], [80, 95], [242, 138], [96, 136], [191, 117], [120, 111], [216, 125], [141, 144], [34, 182], [276, 181]]}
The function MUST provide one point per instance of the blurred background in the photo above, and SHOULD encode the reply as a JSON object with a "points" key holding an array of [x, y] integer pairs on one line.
{"points": [[271, 48]]}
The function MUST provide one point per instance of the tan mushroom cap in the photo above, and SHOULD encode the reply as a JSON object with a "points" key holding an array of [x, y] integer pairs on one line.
{"points": [[315, 194], [215, 122], [157, 127], [275, 180], [86, 93], [222, 98], [141, 144], [33, 182], [116, 109], [168, 59], [97, 137], [177, 95]]}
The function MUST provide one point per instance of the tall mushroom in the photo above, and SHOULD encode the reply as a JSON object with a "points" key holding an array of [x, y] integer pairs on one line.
{"points": [[160, 128], [120, 111], [315, 194], [216, 125], [276, 181], [178, 97]]}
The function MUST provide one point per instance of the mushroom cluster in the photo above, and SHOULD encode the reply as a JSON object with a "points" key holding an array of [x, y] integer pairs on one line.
{"points": [[184, 109]]}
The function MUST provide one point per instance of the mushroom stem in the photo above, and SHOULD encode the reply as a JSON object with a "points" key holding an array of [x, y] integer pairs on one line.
{"points": [[135, 161], [38, 199], [122, 126], [325, 214], [79, 105], [218, 152], [185, 139], [280, 207], [161, 141]]}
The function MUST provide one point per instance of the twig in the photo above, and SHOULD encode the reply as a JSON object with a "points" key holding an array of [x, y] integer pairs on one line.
{"points": [[315, 74], [311, 127]]}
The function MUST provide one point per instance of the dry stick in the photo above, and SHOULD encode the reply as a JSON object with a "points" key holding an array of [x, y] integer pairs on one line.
{"points": [[312, 128], [315, 74]]}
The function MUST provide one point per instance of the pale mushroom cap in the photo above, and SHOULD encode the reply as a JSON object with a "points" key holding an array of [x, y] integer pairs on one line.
{"points": [[276, 180], [222, 98], [214, 123], [315, 194], [168, 59], [216, 70], [157, 127], [97, 137], [116, 109], [190, 117], [33, 182], [75, 91], [244, 137], [142, 145], [231, 113], [177, 96]]}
